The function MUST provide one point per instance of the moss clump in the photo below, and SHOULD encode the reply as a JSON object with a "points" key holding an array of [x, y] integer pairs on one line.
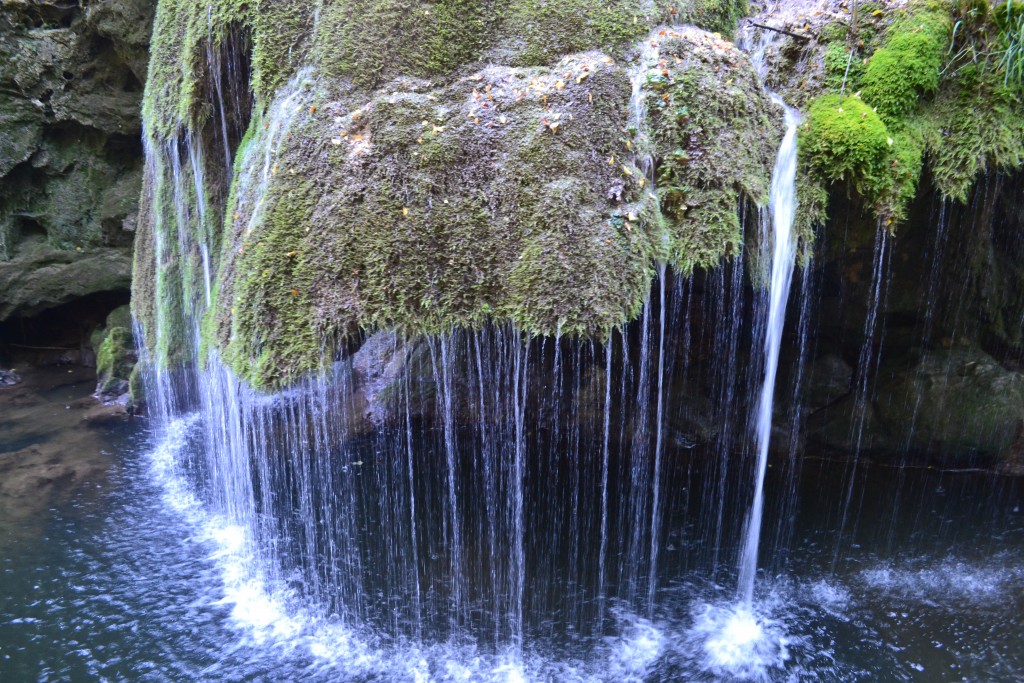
{"points": [[136, 387], [835, 61], [973, 127], [184, 34], [115, 359], [720, 16], [280, 29], [552, 29], [908, 66], [357, 39], [708, 122], [947, 105], [845, 140]]}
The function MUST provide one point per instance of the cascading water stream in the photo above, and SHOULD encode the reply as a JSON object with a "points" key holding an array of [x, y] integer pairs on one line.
{"points": [[783, 209]]}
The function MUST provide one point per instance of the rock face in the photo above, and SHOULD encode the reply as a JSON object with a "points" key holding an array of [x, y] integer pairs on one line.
{"points": [[954, 408], [70, 159], [116, 358], [511, 179], [956, 405]]}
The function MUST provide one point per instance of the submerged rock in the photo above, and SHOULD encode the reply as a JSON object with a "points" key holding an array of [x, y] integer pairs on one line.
{"points": [[47, 448]]}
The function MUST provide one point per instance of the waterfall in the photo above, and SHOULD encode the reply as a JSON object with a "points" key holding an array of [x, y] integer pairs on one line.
{"points": [[783, 209], [511, 479]]}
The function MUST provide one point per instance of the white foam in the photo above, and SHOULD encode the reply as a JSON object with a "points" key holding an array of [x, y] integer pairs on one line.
{"points": [[950, 582], [831, 598], [635, 652], [737, 643]]}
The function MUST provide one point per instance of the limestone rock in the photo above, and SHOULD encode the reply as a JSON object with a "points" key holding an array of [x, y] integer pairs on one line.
{"points": [[47, 278]]}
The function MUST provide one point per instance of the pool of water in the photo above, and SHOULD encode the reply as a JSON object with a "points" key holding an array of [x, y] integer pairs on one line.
{"points": [[136, 578]]}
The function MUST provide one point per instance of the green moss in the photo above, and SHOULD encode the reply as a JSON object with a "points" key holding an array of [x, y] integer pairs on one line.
{"points": [[709, 137], [136, 386], [908, 66], [115, 357], [183, 33], [846, 141], [459, 34], [952, 110], [836, 60], [434, 211], [367, 40], [812, 207], [552, 29], [974, 127], [280, 28], [720, 16]]}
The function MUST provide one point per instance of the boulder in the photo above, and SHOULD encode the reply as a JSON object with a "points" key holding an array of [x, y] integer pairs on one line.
{"points": [[955, 406]]}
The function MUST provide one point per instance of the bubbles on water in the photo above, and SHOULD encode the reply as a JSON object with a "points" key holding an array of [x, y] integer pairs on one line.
{"points": [[830, 597], [635, 651], [950, 582], [738, 643]]}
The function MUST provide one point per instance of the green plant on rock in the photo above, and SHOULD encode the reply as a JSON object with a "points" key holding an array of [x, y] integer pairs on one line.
{"points": [[1009, 18], [720, 16], [709, 138], [845, 140], [549, 30], [908, 66]]}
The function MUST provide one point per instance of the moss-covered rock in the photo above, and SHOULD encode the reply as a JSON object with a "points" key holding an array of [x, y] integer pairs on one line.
{"points": [[70, 162], [403, 184], [714, 134], [423, 209], [844, 140], [115, 362], [909, 64], [922, 70], [955, 406]]}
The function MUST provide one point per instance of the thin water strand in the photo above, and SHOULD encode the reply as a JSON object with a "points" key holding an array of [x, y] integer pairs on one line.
{"points": [[783, 210]]}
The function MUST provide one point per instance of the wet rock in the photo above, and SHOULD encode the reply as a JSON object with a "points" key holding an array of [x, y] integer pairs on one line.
{"points": [[828, 379], [116, 359], [953, 408], [70, 158], [112, 413], [47, 278], [691, 419], [9, 378], [956, 406], [378, 367]]}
